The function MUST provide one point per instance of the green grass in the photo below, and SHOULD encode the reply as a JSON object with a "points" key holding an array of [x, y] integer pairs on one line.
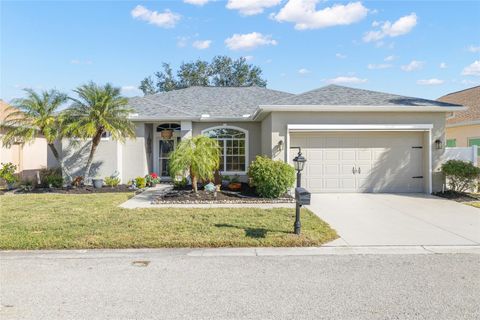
{"points": [[49, 221], [473, 204]]}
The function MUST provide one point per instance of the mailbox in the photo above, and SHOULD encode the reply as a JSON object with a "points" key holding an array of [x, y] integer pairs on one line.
{"points": [[302, 196]]}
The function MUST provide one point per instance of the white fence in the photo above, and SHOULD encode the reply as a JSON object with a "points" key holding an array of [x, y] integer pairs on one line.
{"points": [[465, 154]]}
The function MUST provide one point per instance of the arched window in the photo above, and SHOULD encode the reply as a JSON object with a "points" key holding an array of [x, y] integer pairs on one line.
{"points": [[233, 144], [168, 126]]}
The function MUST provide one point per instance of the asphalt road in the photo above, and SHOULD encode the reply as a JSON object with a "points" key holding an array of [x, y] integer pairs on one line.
{"points": [[172, 285]]}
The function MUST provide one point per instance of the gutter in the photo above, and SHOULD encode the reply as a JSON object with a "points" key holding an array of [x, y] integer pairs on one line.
{"points": [[360, 108]]}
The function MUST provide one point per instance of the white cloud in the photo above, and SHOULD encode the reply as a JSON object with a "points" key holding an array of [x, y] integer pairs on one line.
{"points": [[77, 61], [472, 70], [304, 15], [346, 80], [412, 66], [469, 82], [303, 71], [400, 27], [249, 41], [182, 42], [474, 49], [251, 7], [430, 82], [248, 58], [196, 2], [389, 58], [443, 65], [373, 66], [131, 90], [165, 19], [341, 56], [201, 44]]}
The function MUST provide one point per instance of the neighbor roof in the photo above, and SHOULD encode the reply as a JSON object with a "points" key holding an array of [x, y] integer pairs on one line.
{"points": [[469, 98], [334, 95], [193, 102]]}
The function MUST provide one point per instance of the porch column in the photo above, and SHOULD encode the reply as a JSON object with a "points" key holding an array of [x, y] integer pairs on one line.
{"points": [[186, 129]]}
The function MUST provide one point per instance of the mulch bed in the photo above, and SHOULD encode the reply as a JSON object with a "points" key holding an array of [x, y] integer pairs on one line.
{"points": [[245, 195], [79, 190], [459, 196]]}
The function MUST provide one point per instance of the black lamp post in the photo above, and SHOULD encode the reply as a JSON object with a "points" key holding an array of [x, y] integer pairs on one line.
{"points": [[299, 164]]}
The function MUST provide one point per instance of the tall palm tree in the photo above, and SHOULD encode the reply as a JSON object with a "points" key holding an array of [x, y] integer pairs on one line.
{"points": [[34, 116], [97, 110], [200, 155]]}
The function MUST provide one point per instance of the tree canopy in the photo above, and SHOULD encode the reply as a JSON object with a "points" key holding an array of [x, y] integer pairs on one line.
{"points": [[222, 71]]}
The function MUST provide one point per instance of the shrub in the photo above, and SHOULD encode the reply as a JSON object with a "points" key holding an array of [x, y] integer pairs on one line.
{"points": [[140, 182], [180, 183], [271, 178], [461, 175], [7, 172], [112, 181], [51, 178]]}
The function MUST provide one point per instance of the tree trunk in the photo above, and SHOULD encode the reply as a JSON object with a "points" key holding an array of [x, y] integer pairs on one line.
{"points": [[95, 143], [194, 181], [60, 161]]}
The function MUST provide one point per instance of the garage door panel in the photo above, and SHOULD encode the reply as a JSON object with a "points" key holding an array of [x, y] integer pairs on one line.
{"points": [[386, 160]]}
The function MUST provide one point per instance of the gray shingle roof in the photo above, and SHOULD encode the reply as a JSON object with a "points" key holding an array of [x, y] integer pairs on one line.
{"points": [[193, 102], [333, 95], [235, 102]]}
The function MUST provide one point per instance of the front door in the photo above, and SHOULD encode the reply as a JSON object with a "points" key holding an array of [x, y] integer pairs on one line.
{"points": [[165, 147]]}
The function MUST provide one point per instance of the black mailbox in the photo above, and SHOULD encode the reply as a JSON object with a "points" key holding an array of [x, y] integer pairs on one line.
{"points": [[302, 196]]}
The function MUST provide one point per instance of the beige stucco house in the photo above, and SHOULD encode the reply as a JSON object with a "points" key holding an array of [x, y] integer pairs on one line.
{"points": [[354, 140], [463, 127], [28, 157]]}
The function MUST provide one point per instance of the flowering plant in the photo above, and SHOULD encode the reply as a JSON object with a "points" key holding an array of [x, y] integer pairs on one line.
{"points": [[152, 179]]}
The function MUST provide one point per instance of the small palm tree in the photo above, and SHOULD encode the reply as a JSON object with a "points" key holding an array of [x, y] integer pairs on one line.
{"points": [[35, 116], [199, 155], [98, 109]]}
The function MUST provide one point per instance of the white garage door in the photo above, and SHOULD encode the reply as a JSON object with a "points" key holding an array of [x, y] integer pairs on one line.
{"points": [[361, 162]]}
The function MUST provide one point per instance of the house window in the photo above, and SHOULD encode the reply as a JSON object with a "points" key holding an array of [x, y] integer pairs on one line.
{"points": [[474, 142], [451, 143], [168, 126], [233, 145]]}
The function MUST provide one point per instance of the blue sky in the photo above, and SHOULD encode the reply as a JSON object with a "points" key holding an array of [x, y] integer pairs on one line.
{"points": [[416, 48]]}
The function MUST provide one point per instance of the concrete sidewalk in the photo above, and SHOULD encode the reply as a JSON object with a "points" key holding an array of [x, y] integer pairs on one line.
{"points": [[145, 200]]}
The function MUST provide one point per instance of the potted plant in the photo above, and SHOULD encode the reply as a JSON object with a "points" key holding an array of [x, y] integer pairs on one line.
{"points": [[225, 181], [235, 184], [7, 173], [97, 183], [152, 179]]}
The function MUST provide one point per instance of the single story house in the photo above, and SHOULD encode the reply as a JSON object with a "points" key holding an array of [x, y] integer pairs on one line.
{"points": [[354, 140], [463, 127], [28, 157]]}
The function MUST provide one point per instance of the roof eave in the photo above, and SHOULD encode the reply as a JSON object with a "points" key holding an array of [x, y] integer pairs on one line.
{"points": [[360, 108], [463, 123]]}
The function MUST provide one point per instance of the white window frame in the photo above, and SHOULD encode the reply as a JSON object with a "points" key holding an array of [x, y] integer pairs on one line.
{"points": [[246, 148]]}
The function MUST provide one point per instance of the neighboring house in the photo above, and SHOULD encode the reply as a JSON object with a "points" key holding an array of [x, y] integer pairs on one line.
{"points": [[29, 157], [354, 140], [463, 127]]}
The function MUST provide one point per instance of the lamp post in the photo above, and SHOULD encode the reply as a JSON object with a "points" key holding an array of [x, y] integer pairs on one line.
{"points": [[298, 163]]}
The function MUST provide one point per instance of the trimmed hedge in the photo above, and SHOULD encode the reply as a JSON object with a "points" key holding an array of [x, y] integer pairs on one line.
{"points": [[461, 175], [271, 178]]}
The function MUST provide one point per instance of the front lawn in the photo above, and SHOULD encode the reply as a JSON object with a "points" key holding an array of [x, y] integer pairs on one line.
{"points": [[53, 221], [474, 204]]}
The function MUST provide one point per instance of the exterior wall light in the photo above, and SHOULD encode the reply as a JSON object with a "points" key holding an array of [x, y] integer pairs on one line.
{"points": [[438, 144]]}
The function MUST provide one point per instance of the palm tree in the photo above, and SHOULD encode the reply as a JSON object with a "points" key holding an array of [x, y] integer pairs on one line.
{"points": [[199, 155], [34, 116], [98, 109]]}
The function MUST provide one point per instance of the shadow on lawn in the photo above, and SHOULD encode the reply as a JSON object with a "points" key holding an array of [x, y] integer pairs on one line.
{"points": [[250, 232]]}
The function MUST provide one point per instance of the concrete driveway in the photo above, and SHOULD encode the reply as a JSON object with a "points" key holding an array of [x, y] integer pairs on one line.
{"points": [[397, 219]]}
